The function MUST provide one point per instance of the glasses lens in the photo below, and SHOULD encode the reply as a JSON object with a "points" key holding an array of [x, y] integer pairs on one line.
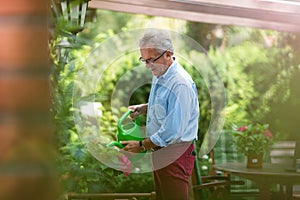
{"points": [[149, 61], [142, 60]]}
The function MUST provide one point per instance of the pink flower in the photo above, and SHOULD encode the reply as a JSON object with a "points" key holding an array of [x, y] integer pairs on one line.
{"points": [[268, 134], [125, 165], [242, 128]]}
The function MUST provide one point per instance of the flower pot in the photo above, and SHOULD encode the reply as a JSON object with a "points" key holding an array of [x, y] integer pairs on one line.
{"points": [[254, 161]]}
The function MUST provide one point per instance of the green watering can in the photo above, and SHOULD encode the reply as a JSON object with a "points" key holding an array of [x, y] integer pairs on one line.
{"points": [[128, 131]]}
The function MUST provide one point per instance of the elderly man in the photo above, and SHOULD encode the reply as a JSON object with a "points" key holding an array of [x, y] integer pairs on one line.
{"points": [[172, 117]]}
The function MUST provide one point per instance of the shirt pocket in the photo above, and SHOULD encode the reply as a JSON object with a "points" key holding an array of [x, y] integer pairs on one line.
{"points": [[160, 108]]}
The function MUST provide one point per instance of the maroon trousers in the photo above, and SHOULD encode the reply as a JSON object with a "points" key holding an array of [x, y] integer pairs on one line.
{"points": [[171, 182]]}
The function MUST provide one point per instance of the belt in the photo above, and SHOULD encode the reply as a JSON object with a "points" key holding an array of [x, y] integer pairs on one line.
{"points": [[159, 147]]}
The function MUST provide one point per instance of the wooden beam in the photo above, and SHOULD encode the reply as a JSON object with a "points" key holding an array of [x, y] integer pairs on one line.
{"points": [[267, 5], [184, 13], [216, 9]]}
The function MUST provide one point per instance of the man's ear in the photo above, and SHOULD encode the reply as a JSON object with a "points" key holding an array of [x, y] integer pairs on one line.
{"points": [[169, 55]]}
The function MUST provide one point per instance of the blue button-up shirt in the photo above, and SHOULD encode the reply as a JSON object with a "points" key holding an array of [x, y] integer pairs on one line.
{"points": [[173, 108]]}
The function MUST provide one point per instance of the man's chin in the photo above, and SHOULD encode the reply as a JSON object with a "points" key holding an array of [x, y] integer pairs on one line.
{"points": [[154, 73]]}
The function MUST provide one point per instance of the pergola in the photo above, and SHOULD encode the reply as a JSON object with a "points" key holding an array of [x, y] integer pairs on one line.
{"points": [[280, 15]]}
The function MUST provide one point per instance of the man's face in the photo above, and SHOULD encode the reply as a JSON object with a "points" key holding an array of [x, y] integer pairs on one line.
{"points": [[159, 66]]}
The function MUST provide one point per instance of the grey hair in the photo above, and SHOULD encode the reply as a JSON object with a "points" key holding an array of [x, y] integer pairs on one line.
{"points": [[157, 39]]}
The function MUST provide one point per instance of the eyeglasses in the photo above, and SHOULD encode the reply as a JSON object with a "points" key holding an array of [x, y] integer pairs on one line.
{"points": [[151, 60]]}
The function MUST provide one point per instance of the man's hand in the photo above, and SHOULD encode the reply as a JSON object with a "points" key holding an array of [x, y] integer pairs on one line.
{"points": [[138, 110], [131, 146]]}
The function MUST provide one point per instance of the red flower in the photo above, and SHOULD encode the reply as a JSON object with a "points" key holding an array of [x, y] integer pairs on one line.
{"points": [[125, 165], [268, 134], [242, 128]]}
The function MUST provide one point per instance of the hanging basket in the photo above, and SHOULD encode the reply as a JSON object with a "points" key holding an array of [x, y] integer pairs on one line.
{"points": [[254, 161]]}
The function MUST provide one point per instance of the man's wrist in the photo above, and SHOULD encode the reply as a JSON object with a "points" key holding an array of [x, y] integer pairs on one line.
{"points": [[142, 147], [148, 144], [145, 108]]}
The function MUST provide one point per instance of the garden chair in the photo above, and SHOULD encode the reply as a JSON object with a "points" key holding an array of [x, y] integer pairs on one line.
{"points": [[223, 152], [296, 189], [213, 186], [286, 152]]}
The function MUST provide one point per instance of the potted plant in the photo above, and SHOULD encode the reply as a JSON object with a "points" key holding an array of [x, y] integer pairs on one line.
{"points": [[253, 140]]}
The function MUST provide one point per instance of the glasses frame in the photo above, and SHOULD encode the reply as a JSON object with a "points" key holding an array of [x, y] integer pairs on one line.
{"points": [[151, 60]]}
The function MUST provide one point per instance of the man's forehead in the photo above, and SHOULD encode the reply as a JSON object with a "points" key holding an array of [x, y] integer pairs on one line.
{"points": [[148, 50], [149, 47]]}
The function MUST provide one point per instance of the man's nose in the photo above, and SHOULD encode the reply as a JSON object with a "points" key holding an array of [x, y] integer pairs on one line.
{"points": [[148, 65]]}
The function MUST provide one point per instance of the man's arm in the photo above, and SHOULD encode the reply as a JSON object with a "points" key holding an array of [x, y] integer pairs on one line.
{"points": [[138, 110]]}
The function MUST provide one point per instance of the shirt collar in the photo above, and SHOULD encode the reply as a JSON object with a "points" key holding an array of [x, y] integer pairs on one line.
{"points": [[170, 70]]}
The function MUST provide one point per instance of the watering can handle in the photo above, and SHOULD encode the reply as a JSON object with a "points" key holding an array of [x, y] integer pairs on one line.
{"points": [[136, 121]]}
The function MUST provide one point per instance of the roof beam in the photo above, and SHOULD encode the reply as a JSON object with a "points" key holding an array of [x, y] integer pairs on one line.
{"points": [[285, 18], [269, 5]]}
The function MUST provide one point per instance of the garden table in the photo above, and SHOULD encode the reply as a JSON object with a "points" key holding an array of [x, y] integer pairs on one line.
{"points": [[264, 177]]}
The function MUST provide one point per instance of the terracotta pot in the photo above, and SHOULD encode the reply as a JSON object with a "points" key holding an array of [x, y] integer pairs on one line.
{"points": [[254, 161]]}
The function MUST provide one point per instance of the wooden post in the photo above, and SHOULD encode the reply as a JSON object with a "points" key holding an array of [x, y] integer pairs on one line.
{"points": [[26, 149]]}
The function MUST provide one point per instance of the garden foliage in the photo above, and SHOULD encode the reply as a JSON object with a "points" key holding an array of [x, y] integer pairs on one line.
{"points": [[254, 74]]}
